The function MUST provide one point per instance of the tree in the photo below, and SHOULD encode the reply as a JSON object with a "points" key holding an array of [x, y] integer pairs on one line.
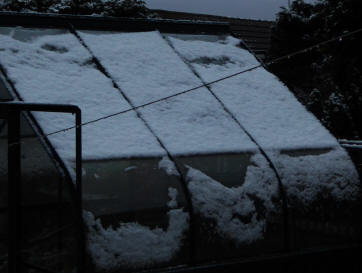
{"points": [[327, 80]]}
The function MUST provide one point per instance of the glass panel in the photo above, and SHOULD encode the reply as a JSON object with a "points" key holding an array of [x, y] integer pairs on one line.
{"points": [[4, 94], [48, 213], [232, 214], [319, 178], [142, 209], [49, 217], [324, 205], [122, 198], [3, 195], [237, 205]]}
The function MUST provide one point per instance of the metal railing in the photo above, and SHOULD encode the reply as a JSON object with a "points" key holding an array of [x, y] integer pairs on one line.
{"points": [[11, 111]]}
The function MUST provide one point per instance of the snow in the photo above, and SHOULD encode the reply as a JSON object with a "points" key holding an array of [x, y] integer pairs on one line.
{"points": [[132, 245], [265, 107], [130, 168], [168, 166], [328, 175], [57, 69], [274, 117], [193, 123], [233, 209], [172, 193]]}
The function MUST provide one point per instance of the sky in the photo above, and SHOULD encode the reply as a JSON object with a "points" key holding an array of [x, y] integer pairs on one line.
{"points": [[248, 9]]}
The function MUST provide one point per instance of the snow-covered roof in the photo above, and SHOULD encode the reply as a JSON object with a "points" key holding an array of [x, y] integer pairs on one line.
{"points": [[57, 68], [105, 73]]}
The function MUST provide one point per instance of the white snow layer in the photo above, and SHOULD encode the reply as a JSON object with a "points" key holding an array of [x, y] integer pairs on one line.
{"points": [[265, 107], [146, 69], [274, 117], [57, 69], [168, 166], [311, 177], [133, 245], [234, 209]]}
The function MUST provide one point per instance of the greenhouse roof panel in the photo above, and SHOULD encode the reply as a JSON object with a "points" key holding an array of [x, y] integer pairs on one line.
{"points": [[58, 69], [55, 67], [146, 68], [264, 105]]}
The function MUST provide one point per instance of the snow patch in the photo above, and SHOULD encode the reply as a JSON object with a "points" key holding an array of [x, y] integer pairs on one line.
{"points": [[168, 166], [130, 168], [311, 177], [172, 193], [234, 209], [132, 245]]}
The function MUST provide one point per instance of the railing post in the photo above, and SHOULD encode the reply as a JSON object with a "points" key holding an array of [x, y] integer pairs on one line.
{"points": [[14, 196], [78, 159]]}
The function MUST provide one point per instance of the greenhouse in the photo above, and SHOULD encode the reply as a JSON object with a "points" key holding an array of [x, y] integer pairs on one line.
{"points": [[178, 168]]}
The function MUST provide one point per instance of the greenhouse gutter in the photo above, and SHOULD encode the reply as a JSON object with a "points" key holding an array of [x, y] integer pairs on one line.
{"points": [[111, 23]]}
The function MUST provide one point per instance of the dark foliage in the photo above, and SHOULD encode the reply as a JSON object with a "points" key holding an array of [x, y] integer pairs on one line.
{"points": [[327, 80], [118, 8]]}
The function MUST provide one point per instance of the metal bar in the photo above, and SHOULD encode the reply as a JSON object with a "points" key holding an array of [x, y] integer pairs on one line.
{"points": [[14, 108], [78, 158], [40, 107], [60, 215], [14, 188]]}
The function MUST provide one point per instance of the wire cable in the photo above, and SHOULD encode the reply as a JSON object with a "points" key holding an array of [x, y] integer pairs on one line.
{"points": [[181, 177], [214, 81], [251, 137], [274, 61]]}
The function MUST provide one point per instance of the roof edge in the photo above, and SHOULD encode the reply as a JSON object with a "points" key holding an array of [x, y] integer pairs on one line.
{"points": [[211, 17], [47, 20]]}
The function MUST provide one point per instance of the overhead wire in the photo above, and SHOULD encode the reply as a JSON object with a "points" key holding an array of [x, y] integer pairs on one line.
{"points": [[139, 114], [274, 61], [207, 85], [251, 137]]}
